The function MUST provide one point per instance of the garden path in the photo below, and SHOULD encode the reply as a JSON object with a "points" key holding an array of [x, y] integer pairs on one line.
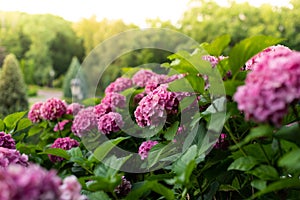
{"points": [[45, 93]]}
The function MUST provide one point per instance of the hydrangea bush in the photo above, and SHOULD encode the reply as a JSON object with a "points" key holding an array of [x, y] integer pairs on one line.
{"points": [[176, 135]]}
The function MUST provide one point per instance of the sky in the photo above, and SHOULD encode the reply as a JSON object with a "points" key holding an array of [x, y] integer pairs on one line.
{"points": [[130, 11]]}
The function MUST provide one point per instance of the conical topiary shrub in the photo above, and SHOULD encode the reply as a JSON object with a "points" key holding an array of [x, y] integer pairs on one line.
{"points": [[12, 87], [74, 72]]}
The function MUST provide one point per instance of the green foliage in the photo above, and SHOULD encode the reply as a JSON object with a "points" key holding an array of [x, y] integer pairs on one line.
{"points": [[13, 96], [75, 71]]}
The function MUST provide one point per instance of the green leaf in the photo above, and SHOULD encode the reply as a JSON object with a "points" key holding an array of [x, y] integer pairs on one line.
{"points": [[106, 147], [259, 184], [247, 48], [279, 185], [231, 86], [265, 172], [23, 124], [164, 191], [57, 152], [216, 47], [12, 119], [100, 195], [243, 164], [291, 160], [171, 131], [35, 129], [289, 133]]}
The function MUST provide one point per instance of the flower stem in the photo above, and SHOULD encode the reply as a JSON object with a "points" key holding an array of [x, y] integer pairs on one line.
{"points": [[234, 140]]}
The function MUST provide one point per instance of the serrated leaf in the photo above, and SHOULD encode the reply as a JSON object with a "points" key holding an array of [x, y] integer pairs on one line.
{"points": [[23, 124], [12, 119], [243, 164], [57, 152], [265, 172], [106, 147], [247, 48]]}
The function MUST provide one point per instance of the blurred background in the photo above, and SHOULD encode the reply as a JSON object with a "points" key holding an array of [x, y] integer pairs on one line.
{"points": [[50, 39]]}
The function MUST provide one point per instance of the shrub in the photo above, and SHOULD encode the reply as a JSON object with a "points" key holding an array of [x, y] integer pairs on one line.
{"points": [[12, 87]]}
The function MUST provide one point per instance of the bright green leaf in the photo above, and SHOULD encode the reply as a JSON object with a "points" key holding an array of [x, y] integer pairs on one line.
{"points": [[216, 47], [12, 119], [57, 152]]}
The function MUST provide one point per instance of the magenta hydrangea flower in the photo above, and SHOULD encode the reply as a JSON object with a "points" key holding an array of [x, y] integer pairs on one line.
{"points": [[145, 148], [110, 122], [114, 100], [250, 64], [74, 108], [7, 141], [142, 77], [53, 109], [12, 156], [32, 182], [63, 143], [34, 113], [213, 60], [124, 188], [222, 142], [119, 85], [272, 85], [70, 189], [85, 121], [61, 125], [102, 109], [154, 107]]}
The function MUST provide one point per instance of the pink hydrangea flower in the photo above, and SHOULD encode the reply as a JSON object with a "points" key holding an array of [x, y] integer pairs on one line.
{"points": [[12, 156], [272, 85], [250, 64], [74, 108], [222, 142], [85, 121], [32, 182], [124, 188], [34, 113], [142, 77], [63, 143], [60, 125], [53, 109], [110, 122], [145, 148], [114, 100], [154, 107], [7, 141], [119, 85], [102, 109], [70, 189], [213, 60]]}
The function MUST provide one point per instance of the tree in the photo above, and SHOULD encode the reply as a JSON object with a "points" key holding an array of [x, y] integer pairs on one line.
{"points": [[73, 72], [12, 87]]}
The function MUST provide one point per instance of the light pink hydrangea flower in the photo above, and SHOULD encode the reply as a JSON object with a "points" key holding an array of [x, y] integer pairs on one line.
{"points": [[271, 87], [154, 107], [63, 143], [28, 183], [7, 141], [119, 85], [86, 120], [213, 60], [74, 108], [12, 156], [145, 148], [250, 64], [34, 113], [110, 122], [142, 77], [70, 189], [114, 100], [53, 109]]}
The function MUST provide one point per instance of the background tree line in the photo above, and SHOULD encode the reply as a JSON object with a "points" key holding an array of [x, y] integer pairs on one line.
{"points": [[45, 44]]}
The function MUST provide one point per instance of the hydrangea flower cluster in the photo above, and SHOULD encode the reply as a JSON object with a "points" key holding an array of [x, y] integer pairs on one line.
{"points": [[142, 77], [36, 183], [124, 188], [6, 141], [60, 125], [70, 189], [110, 122], [152, 109], [114, 100], [74, 108], [12, 156], [63, 143], [53, 109], [213, 60], [34, 113], [85, 120], [272, 85], [145, 148], [119, 85], [250, 64]]}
